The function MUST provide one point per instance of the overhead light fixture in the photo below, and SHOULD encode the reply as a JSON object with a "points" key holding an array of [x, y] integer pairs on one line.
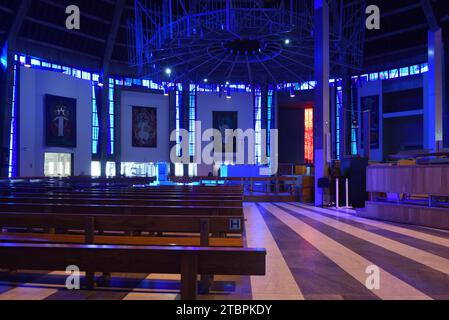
{"points": [[100, 81], [287, 41], [168, 71], [228, 93], [27, 62], [205, 80]]}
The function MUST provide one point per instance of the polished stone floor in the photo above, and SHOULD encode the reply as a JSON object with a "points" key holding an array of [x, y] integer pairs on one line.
{"points": [[312, 253]]}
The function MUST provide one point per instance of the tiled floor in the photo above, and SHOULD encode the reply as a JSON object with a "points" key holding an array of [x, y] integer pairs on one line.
{"points": [[312, 253]]}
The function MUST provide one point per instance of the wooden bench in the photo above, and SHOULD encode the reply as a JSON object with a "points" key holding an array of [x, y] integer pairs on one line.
{"points": [[202, 225], [181, 189], [121, 209], [120, 201], [122, 195], [187, 261]]}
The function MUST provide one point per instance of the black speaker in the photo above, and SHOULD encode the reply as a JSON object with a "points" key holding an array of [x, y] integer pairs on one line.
{"points": [[354, 168]]}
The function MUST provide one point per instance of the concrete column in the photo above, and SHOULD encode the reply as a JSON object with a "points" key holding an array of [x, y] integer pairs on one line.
{"points": [[103, 117], [433, 115], [172, 126], [6, 86], [446, 93], [321, 132]]}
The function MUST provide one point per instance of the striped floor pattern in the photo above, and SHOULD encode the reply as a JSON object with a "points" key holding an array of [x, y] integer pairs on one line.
{"points": [[312, 253]]}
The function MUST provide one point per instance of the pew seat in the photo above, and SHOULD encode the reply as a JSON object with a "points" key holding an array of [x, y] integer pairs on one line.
{"points": [[191, 241]]}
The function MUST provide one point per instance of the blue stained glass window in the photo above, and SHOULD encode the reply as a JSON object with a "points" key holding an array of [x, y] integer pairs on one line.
{"points": [[192, 118], [393, 73], [95, 124], [424, 67], [403, 72], [258, 124], [12, 165], [414, 69]]}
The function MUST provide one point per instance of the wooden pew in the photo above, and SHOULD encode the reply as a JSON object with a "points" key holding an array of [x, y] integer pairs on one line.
{"points": [[120, 201], [120, 209], [202, 225], [187, 261], [122, 195], [148, 189]]}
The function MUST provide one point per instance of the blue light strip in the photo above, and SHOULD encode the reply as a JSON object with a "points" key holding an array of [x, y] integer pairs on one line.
{"points": [[111, 133], [95, 123], [338, 106], [12, 165], [192, 119], [178, 120], [353, 127], [269, 120], [258, 124]]}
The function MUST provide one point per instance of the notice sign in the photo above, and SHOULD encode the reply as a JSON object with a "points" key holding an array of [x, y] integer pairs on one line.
{"points": [[235, 224]]}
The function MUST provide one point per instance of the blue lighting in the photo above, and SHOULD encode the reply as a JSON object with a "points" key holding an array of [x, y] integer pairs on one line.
{"points": [[4, 57], [258, 125], [192, 119], [205, 86], [270, 108], [12, 164]]}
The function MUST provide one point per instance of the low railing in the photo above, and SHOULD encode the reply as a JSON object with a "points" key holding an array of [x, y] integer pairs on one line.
{"points": [[250, 184]]}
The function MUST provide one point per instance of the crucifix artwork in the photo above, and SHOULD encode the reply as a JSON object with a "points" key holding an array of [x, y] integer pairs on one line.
{"points": [[60, 121]]}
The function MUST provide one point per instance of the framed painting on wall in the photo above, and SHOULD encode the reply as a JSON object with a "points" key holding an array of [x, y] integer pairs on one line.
{"points": [[60, 121], [222, 121], [144, 127]]}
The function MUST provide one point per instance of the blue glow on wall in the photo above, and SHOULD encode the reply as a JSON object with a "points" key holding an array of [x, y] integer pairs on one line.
{"points": [[4, 56], [38, 63], [12, 165]]}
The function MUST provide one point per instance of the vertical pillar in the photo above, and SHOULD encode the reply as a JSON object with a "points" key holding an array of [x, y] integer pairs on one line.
{"points": [[446, 92], [433, 116], [103, 117], [6, 85], [185, 115], [321, 116], [172, 125], [7, 82]]}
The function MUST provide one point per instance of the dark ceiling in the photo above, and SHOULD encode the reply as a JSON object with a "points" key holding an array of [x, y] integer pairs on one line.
{"points": [[401, 39]]}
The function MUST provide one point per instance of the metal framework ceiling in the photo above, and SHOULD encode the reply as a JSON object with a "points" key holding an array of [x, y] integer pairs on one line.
{"points": [[402, 38], [240, 41]]}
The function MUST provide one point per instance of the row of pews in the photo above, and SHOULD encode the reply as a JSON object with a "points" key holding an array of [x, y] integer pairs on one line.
{"points": [[176, 229]]}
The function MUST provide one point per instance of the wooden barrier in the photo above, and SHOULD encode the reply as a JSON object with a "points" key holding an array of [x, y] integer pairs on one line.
{"points": [[187, 261], [430, 182]]}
